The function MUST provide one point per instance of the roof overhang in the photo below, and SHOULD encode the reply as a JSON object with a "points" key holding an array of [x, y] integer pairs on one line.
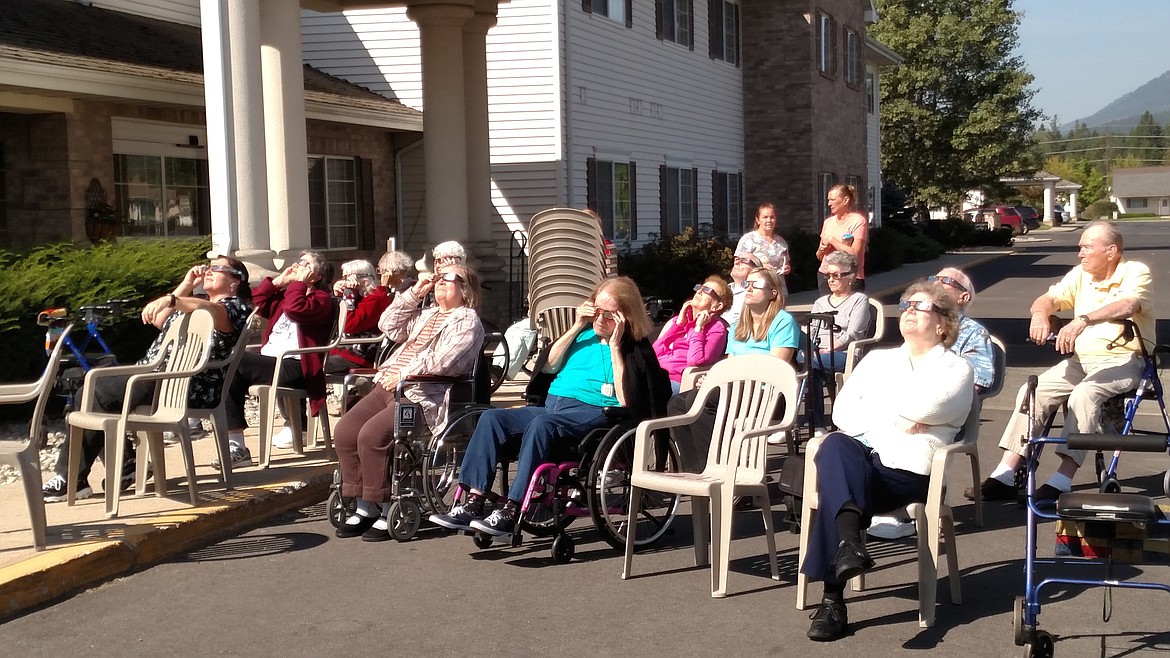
{"points": [[879, 54]]}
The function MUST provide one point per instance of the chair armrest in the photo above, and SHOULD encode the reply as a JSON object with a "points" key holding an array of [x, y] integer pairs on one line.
{"points": [[737, 447], [17, 393], [691, 376], [95, 374], [154, 377], [360, 340], [810, 466]]}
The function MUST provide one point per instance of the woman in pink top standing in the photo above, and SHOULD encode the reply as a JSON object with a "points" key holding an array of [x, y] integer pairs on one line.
{"points": [[845, 229], [697, 336]]}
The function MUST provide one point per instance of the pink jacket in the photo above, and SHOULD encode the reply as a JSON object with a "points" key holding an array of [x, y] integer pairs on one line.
{"points": [[681, 346]]}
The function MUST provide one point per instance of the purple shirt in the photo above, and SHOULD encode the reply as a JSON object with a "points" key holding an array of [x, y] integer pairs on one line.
{"points": [[681, 346]]}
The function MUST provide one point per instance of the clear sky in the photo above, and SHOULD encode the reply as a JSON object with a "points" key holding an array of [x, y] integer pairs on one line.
{"points": [[1085, 53]]}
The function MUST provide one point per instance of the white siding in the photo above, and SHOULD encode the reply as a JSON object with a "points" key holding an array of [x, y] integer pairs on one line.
{"points": [[379, 49], [633, 97], [873, 150], [175, 11]]}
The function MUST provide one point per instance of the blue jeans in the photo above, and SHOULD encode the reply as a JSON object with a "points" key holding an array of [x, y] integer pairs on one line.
{"points": [[823, 362], [537, 428]]}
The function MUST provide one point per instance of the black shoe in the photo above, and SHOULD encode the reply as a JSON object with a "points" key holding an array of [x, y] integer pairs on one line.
{"points": [[459, 518], [56, 488], [993, 490], [500, 523], [830, 621], [354, 529], [852, 559], [1046, 495], [374, 534]]}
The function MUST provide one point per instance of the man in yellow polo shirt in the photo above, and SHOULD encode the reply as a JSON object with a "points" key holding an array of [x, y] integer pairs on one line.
{"points": [[1101, 292]]}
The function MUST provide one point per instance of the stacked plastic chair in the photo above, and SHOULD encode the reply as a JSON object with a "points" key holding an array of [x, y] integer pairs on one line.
{"points": [[566, 261]]}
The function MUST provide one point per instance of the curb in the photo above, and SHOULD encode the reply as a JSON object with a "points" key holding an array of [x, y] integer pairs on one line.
{"points": [[975, 260], [55, 573]]}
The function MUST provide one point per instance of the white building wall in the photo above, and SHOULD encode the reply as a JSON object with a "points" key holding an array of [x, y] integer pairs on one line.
{"points": [[175, 11], [873, 148], [632, 97], [379, 49]]}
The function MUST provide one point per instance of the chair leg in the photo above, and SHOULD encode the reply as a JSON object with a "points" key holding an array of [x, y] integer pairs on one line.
{"points": [[769, 532], [721, 524], [30, 475], [189, 462], [701, 520], [927, 568], [115, 445], [948, 529], [219, 431], [976, 481], [330, 454], [631, 522], [806, 521], [266, 403], [300, 438], [75, 434]]}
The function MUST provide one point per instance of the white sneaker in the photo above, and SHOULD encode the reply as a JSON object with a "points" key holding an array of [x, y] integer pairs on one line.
{"points": [[890, 527], [283, 438], [778, 439]]}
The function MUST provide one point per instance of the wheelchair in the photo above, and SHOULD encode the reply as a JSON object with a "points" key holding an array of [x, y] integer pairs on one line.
{"points": [[1102, 514], [424, 467]]}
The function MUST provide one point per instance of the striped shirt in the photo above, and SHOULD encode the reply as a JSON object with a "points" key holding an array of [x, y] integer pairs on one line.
{"points": [[408, 351]]}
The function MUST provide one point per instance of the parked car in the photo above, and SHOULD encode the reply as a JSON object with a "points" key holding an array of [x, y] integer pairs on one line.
{"points": [[1058, 212], [994, 217], [1030, 215]]}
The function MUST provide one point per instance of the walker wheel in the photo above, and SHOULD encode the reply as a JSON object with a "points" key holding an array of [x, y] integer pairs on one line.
{"points": [[337, 509], [563, 549], [404, 519], [482, 540], [1018, 621], [1042, 646], [1110, 486], [1166, 484]]}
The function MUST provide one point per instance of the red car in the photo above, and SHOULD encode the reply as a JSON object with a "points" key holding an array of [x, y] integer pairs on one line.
{"points": [[993, 217]]}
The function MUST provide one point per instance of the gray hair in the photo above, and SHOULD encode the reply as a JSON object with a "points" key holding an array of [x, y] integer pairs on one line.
{"points": [[395, 263], [842, 259], [964, 280], [1109, 233], [356, 267], [449, 248]]}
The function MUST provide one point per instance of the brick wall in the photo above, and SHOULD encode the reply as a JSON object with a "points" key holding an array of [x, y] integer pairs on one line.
{"points": [[797, 122], [36, 178]]}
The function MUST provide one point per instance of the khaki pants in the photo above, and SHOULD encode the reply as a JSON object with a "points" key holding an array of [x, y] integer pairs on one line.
{"points": [[1085, 384]]}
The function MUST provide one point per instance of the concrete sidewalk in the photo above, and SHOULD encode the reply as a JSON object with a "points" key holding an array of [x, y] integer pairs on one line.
{"points": [[86, 549]]}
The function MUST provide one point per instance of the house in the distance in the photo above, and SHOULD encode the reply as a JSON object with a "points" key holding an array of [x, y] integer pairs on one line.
{"points": [[1142, 190]]}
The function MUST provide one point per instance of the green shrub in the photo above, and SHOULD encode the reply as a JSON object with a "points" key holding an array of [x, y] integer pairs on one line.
{"points": [[890, 247], [61, 275], [670, 266], [1101, 209], [955, 233], [1136, 215]]}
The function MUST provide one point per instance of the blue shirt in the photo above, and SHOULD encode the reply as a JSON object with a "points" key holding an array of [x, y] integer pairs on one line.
{"points": [[586, 368], [783, 332], [974, 345]]}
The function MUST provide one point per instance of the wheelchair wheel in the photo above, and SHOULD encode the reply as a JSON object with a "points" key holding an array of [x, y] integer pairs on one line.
{"points": [[497, 366], [563, 549], [542, 518], [1166, 484], [608, 489], [403, 519], [338, 508], [1110, 485], [444, 453], [1018, 635]]}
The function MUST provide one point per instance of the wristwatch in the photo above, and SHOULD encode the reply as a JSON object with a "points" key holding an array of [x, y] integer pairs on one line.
{"points": [[1084, 318]]}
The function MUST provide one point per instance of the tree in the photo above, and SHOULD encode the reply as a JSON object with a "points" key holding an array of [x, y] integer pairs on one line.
{"points": [[1094, 186], [956, 114], [1146, 142]]}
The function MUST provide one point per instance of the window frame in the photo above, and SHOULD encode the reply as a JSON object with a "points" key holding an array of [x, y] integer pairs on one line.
{"points": [[356, 203], [201, 196], [826, 180], [871, 89], [604, 8], [852, 54], [727, 203], [826, 41], [678, 193], [667, 22], [1134, 203], [724, 16], [603, 190]]}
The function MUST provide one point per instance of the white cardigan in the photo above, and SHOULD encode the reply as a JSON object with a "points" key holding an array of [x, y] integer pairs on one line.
{"points": [[885, 387]]}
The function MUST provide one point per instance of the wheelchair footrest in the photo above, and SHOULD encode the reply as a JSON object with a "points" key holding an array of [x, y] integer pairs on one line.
{"points": [[1106, 507]]}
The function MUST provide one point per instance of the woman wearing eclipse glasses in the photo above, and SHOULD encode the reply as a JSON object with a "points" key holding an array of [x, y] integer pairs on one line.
{"points": [[604, 360], [697, 336]]}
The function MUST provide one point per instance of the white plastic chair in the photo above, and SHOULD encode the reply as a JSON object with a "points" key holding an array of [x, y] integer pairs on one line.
{"points": [[858, 348], [25, 456], [750, 387], [270, 395], [184, 352]]}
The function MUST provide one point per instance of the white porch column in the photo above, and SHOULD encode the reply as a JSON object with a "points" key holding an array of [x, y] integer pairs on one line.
{"points": [[284, 124], [444, 123], [235, 126], [1072, 206], [1049, 191], [479, 174]]}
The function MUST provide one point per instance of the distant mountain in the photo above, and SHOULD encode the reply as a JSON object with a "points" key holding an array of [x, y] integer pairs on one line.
{"points": [[1152, 97]]}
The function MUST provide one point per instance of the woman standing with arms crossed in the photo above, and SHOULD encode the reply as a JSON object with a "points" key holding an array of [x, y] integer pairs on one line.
{"points": [[845, 229], [767, 244]]}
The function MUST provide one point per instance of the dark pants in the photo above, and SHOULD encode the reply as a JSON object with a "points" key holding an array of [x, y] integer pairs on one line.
{"points": [[693, 441], [536, 428], [256, 368], [849, 472], [363, 437], [108, 396]]}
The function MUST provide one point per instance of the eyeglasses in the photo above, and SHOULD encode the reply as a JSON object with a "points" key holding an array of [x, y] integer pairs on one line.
{"points": [[758, 284], [607, 315], [947, 281], [920, 306], [740, 260], [361, 275], [708, 290], [305, 263], [445, 260], [451, 277], [224, 269], [838, 275]]}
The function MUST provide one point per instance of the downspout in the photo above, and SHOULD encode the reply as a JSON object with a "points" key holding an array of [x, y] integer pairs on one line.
{"points": [[567, 94]]}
